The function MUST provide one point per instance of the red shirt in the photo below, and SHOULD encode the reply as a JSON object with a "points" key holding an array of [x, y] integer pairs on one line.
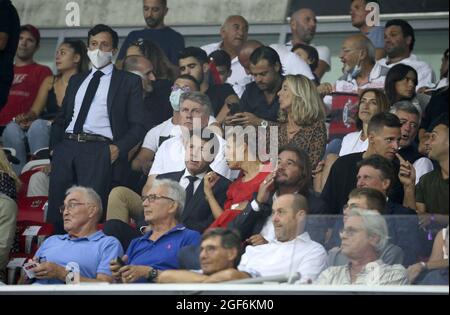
{"points": [[238, 192], [24, 89]]}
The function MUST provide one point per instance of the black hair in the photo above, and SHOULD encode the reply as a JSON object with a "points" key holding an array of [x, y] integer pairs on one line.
{"points": [[395, 74], [79, 48], [194, 52], [312, 54], [99, 28], [221, 58], [381, 164], [228, 239], [190, 78], [380, 98], [266, 53], [407, 30], [441, 120], [381, 120]]}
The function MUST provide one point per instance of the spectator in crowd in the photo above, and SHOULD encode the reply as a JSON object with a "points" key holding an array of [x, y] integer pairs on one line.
{"points": [[158, 248], [310, 55], [170, 41], [359, 15], [220, 253], [358, 59], [92, 250], [100, 122], [194, 61], [384, 136], [71, 59], [364, 236], [162, 67], [443, 72], [259, 103], [303, 24], [241, 155], [292, 251], [435, 270], [9, 39], [28, 77], [234, 32], [167, 129], [409, 117], [222, 61], [124, 204], [9, 185], [368, 199], [430, 196], [400, 85], [399, 40], [302, 117], [292, 176]]}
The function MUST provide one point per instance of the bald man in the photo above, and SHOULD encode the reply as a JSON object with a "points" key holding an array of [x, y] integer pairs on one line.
{"points": [[303, 27]]}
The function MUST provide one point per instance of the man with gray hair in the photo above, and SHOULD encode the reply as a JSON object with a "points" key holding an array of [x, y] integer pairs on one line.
{"points": [[364, 236], [409, 116], [92, 250], [158, 248]]}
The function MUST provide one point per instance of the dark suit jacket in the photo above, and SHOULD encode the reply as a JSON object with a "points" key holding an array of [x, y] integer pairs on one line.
{"points": [[251, 222], [125, 111], [197, 215]]}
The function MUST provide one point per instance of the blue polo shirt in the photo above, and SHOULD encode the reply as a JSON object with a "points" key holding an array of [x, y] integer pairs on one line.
{"points": [[92, 253], [161, 254]]}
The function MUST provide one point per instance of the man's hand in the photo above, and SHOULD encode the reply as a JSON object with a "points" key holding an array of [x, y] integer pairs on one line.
{"points": [[265, 188], [407, 173], [114, 151], [246, 119], [325, 89], [115, 266], [319, 168], [133, 273], [48, 270], [209, 181], [256, 240]]}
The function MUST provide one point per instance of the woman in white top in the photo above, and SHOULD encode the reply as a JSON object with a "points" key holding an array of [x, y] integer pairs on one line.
{"points": [[371, 102]]}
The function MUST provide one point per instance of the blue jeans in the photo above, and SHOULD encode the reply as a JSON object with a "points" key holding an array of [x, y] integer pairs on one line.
{"points": [[38, 138]]}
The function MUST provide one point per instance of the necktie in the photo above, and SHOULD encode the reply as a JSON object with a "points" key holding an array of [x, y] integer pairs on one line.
{"points": [[190, 188], [87, 101]]}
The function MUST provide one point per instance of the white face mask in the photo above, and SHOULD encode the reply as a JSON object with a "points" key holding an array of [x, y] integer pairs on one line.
{"points": [[99, 58], [175, 99]]}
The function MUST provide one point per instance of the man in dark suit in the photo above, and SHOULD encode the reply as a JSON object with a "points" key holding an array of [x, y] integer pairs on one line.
{"points": [[100, 121], [196, 215]]}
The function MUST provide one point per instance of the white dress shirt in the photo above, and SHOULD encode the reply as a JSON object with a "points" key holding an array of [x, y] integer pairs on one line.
{"points": [[165, 129], [184, 182], [322, 51], [97, 121], [301, 255]]}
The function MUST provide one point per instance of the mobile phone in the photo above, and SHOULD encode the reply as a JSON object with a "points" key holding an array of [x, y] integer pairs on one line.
{"points": [[120, 261], [234, 108]]}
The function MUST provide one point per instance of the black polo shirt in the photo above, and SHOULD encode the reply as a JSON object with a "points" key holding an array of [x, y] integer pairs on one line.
{"points": [[253, 101]]}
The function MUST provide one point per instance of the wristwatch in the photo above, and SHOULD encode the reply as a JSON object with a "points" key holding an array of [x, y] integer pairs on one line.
{"points": [[152, 275], [264, 123]]}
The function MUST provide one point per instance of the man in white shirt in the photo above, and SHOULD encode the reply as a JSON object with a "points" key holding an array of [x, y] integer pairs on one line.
{"points": [[234, 32], [399, 42], [293, 251], [303, 26]]}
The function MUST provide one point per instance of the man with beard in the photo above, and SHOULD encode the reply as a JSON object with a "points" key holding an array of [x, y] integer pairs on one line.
{"points": [[303, 26], [259, 103], [170, 41], [399, 43], [292, 176]]}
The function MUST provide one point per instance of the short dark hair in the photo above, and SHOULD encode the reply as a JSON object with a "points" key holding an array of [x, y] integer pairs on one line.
{"points": [[304, 163], [99, 28], [407, 30], [381, 120], [380, 98], [266, 53], [79, 48], [221, 58], [194, 52], [228, 239], [190, 78], [381, 164], [395, 74], [441, 120], [312, 54], [376, 200]]}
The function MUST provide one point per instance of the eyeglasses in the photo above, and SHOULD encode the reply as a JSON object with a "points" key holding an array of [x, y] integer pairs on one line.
{"points": [[71, 205], [349, 231], [153, 197], [185, 89]]}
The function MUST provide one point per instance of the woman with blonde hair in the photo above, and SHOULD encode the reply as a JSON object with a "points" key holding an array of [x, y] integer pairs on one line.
{"points": [[301, 119], [9, 182]]}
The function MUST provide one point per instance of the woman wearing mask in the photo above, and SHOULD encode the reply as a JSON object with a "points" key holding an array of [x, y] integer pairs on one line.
{"points": [[35, 125]]}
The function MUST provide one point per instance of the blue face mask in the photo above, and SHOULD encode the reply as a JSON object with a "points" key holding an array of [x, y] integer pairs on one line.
{"points": [[175, 99]]}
